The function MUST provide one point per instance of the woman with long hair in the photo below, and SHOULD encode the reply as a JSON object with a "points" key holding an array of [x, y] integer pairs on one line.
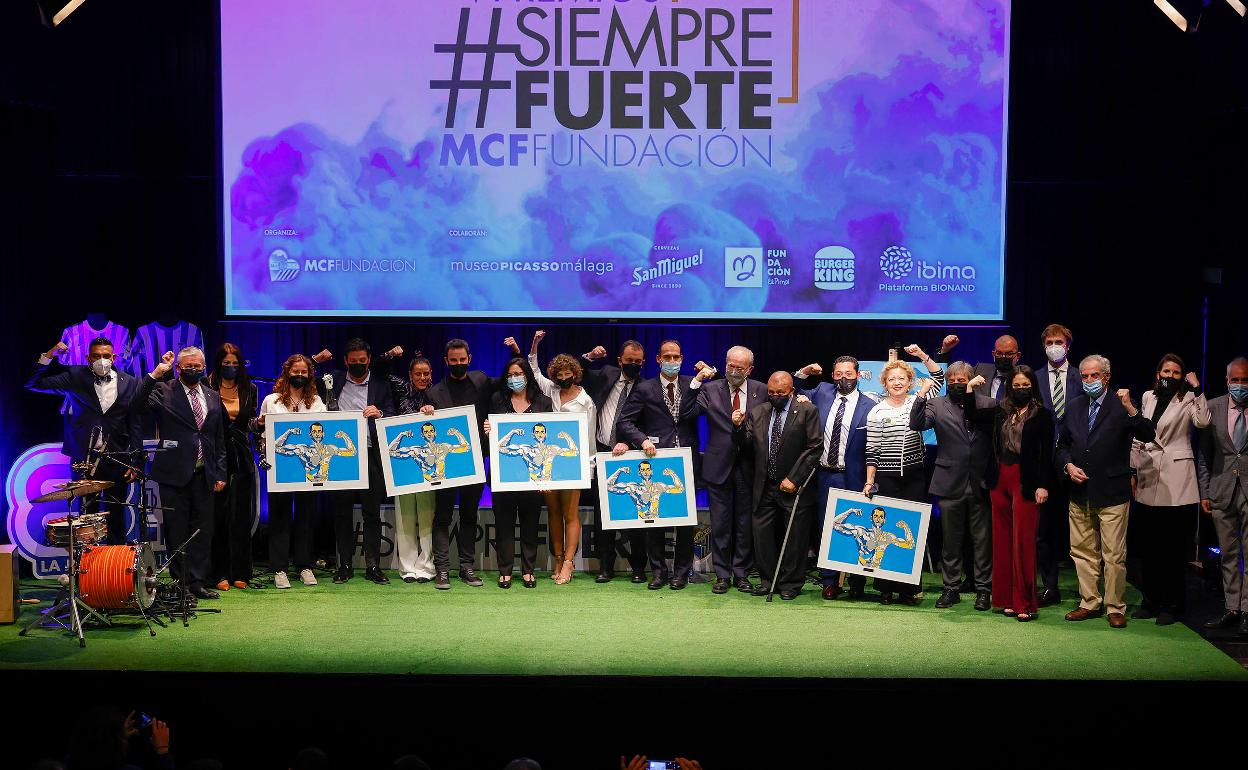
{"points": [[563, 387], [413, 518], [294, 391], [235, 507]]}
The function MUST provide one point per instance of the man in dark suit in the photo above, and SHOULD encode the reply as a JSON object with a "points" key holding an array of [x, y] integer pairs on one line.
{"points": [[661, 414], [1059, 382], [191, 466], [610, 387], [1094, 450], [784, 437], [461, 387], [1222, 467], [726, 471], [963, 461], [100, 397], [355, 389], [843, 411], [1005, 356]]}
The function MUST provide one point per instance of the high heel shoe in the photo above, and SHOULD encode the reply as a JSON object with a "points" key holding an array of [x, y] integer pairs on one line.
{"points": [[562, 578], [555, 573], [504, 583], [529, 581]]}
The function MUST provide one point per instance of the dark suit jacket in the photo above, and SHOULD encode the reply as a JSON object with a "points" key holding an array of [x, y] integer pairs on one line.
{"points": [[961, 455], [439, 397], [175, 422], [77, 384], [646, 414], [988, 371], [1221, 470], [1105, 453], [1035, 458], [824, 396], [715, 401], [598, 382], [1074, 385], [800, 443], [380, 395], [239, 457]]}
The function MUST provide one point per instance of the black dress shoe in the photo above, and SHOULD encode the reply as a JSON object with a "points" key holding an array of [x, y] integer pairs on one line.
{"points": [[886, 597], [603, 577], [1049, 597], [1243, 624], [983, 601], [947, 599], [1143, 613], [656, 582], [1228, 621], [760, 590], [343, 574], [200, 592], [789, 595], [1166, 618], [638, 577], [744, 585], [375, 574], [910, 600], [721, 586], [409, 578], [530, 582], [856, 592], [678, 583]]}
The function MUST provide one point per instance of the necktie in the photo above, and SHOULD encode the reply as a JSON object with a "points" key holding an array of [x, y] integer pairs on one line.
{"points": [[1093, 408], [192, 395], [736, 400], [1241, 431], [998, 387], [671, 394], [774, 445], [615, 416], [1059, 394], [833, 457]]}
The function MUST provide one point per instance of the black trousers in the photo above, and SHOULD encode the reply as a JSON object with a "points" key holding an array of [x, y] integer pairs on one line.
{"points": [[343, 503], [291, 511], [967, 520], [1165, 535], [469, 499], [113, 508], [770, 520], [732, 538], [508, 507], [682, 558], [233, 514], [192, 506], [1053, 534], [912, 487], [604, 539]]}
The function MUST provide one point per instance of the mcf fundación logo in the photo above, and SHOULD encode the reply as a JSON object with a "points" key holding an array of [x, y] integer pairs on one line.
{"points": [[283, 268]]}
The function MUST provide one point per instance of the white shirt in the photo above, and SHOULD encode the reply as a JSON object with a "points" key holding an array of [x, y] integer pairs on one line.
{"points": [[272, 404], [851, 404], [606, 420], [105, 391], [582, 403], [1058, 375]]}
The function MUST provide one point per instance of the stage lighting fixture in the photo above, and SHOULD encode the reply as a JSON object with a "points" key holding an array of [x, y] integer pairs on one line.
{"points": [[1184, 13], [53, 12], [1240, 6]]}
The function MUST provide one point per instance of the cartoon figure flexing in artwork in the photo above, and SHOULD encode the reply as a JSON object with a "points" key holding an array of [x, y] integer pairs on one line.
{"points": [[645, 493], [539, 456], [432, 455], [874, 541], [317, 455]]}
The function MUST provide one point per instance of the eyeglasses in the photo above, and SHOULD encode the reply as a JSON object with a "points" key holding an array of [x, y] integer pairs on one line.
{"points": [[734, 369]]}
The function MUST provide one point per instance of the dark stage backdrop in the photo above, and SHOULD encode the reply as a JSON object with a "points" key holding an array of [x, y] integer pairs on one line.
{"points": [[1127, 179]]}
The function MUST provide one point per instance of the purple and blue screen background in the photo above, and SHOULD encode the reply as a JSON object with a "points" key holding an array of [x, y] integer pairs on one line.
{"points": [[332, 142]]}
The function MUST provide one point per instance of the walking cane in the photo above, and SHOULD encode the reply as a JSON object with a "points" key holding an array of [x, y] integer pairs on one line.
{"points": [[785, 543]]}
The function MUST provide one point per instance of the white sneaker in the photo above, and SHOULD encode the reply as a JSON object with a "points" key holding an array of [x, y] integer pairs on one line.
{"points": [[307, 577], [280, 580]]}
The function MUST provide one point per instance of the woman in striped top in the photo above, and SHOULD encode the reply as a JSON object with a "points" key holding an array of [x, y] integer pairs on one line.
{"points": [[895, 452]]}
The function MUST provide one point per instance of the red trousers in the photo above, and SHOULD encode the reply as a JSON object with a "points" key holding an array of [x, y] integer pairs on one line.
{"points": [[1014, 521]]}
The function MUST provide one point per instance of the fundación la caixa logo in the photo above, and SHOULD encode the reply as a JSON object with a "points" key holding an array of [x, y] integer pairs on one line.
{"points": [[743, 267]]}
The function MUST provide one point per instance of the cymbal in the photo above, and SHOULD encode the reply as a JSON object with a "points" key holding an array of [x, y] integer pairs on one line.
{"points": [[72, 489]]}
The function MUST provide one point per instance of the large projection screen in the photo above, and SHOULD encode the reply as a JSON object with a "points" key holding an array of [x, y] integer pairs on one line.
{"points": [[702, 159]]}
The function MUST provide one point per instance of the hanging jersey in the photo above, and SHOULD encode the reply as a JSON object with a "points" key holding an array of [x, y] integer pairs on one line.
{"points": [[152, 340]]}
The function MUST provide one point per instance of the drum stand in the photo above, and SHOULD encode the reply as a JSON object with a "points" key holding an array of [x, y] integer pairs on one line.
{"points": [[182, 607], [69, 605]]}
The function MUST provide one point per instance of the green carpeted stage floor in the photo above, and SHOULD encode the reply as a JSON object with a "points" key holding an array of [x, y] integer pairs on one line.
{"points": [[620, 629]]}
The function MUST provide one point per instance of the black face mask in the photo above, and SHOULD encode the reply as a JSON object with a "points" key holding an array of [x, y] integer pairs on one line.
{"points": [[631, 371], [1004, 364], [458, 370], [228, 372], [1021, 396], [957, 390], [845, 386], [299, 381], [191, 377], [1168, 384], [778, 402], [357, 370], [565, 383]]}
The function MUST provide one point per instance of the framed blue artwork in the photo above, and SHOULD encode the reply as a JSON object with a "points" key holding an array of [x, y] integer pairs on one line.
{"points": [[424, 452], [308, 451], [635, 491], [880, 537], [539, 451]]}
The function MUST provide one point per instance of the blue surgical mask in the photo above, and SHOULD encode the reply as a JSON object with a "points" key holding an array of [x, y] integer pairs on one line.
{"points": [[1239, 393], [1093, 389], [671, 369], [517, 384]]}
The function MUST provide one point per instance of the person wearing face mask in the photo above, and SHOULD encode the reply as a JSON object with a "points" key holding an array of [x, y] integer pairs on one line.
{"points": [[522, 395], [1005, 356], [291, 512], [1094, 451], [563, 387], [610, 387], [235, 508], [662, 413], [461, 387], [843, 411], [726, 470], [413, 517], [357, 390], [960, 481], [1166, 490], [1222, 468], [192, 467], [100, 397], [1059, 382], [783, 436]]}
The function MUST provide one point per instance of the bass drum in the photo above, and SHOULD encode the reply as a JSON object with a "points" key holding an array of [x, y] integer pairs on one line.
{"points": [[118, 577]]}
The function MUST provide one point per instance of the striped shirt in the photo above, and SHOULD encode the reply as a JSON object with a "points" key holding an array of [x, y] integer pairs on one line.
{"points": [[891, 446], [151, 342]]}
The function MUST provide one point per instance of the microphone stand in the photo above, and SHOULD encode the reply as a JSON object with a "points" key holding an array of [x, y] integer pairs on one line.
{"points": [[797, 498], [183, 604]]}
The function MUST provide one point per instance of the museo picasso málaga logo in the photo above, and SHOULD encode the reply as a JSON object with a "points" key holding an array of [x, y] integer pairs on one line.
{"points": [[666, 267], [641, 85]]}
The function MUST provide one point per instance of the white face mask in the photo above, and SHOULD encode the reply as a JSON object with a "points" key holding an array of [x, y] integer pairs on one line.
{"points": [[1056, 353], [101, 367]]}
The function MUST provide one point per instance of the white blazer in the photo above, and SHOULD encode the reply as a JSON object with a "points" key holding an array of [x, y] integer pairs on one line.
{"points": [[1165, 468]]}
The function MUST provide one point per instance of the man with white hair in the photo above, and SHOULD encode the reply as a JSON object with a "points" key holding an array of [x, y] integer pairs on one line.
{"points": [[1094, 451], [191, 464]]}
